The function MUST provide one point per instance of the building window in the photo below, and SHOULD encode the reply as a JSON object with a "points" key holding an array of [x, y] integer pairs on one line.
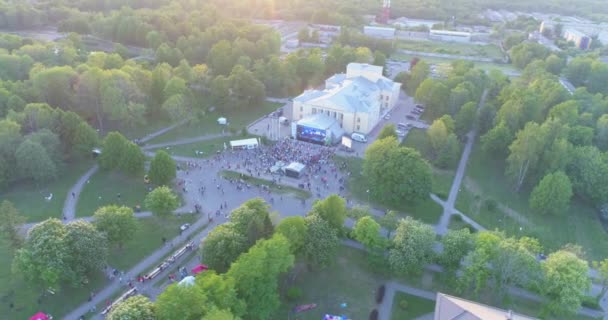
{"points": [[358, 127], [386, 98], [327, 112], [334, 114], [314, 110], [301, 108], [301, 116], [358, 120], [341, 116]]}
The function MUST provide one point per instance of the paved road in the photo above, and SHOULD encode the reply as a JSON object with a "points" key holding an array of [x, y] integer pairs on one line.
{"points": [[162, 131], [448, 206], [71, 200]]}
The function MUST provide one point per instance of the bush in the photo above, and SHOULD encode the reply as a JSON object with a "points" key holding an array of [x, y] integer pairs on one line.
{"points": [[380, 294], [442, 195], [373, 315], [591, 302], [403, 304], [244, 132], [294, 293], [491, 204], [457, 218]]}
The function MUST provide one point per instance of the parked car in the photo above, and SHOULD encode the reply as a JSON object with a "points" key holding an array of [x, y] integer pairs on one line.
{"points": [[184, 226], [410, 117], [419, 106], [387, 116], [359, 137], [416, 111], [400, 133]]}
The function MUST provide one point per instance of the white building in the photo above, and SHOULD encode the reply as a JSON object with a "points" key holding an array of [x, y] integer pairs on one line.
{"points": [[379, 32], [450, 36], [403, 22], [355, 101]]}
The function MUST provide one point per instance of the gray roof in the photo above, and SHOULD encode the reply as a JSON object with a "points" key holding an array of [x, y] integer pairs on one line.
{"points": [[318, 121]]}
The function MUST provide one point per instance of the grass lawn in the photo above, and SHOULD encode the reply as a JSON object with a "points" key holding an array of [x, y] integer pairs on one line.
{"points": [[299, 193], [208, 124], [464, 49], [138, 132], [416, 307], [107, 185], [485, 180], [348, 281], [456, 223], [427, 211], [147, 239], [208, 147], [510, 69], [30, 200]]}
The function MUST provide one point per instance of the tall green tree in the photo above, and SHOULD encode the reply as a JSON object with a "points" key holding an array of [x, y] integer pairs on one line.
{"points": [[295, 230], [33, 162], [252, 220], [256, 274], [566, 282], [114, 148], [221, 292], [321, 243], [118, 223], [588, 173], [396, 174], [331, 209], [388, 130], [552, 195], [367, 231], [456, 245], [161, 201], [389, 222], [525, 153], [10, 222], [132, 161], [188, 302], [465, 118], [418, 74], [162, 168], [412, 246], [222, 246], [88, 248], [135, 307]]}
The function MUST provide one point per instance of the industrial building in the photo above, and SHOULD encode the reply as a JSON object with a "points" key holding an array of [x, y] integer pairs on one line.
{"points": [[351, 102], [450, 36], [454, 308], [578, 31], [379, 32]]}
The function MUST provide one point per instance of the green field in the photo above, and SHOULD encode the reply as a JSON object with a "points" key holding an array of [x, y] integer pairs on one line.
{"points": [[277, 188], [427, 211], [507, 68], [103, 189], [208, 124], [464, 49], [485, 180], [207, 147], [30, 200], [416, 307], [348, 281]]}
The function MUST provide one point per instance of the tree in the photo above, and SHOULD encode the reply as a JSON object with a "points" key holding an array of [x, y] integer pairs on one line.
{"points": [[295, 230], [396, 174], [256, 274], [135, 307], [601, 136], [434, 94], [321, 243], [252, 220], [578, 70], [88, 248], [525, 153], [412, 246], [222, 246], [388, 130], [588, 173], [221, 292], [331, 209], [10, 223], [465, 118], [188, 302], [379, 59], [118, 223], [161, 201], [552, 195], [44, 260], [389, 222], [566, 282], [456, 245], [554, 64], [367, 231], [496, 141], [524, 53], [132, 161], [162, 168], [419, 73], [34, 162], [114, 148]]}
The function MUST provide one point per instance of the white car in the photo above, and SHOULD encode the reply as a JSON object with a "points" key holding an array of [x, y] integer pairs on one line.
{"points": [[387, 116], [184, 226], [400, 133]]}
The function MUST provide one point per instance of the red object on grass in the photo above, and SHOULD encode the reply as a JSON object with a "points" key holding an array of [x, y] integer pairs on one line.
{"points": [[39, 316], [200, 268]]}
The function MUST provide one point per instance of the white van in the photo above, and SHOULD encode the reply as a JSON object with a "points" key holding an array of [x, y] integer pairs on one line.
{"points": [[360, 137]]}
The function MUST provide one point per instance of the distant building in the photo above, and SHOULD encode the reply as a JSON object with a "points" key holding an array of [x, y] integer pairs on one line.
{"points": [[581, 40], [379, 32], [354, 101], [453, 308], [404, 22], [450, 36]]}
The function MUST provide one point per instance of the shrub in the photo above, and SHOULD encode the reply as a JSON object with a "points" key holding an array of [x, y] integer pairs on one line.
{"points": [[294, 293], [491, 204], [403, 304], [373, 315], [244, 132], [457, 218], [380, 294], [591, 302]]}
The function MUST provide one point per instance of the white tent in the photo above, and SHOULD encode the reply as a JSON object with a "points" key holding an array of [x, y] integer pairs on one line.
{"points": [[222, 121], [187, 281], [244, 144]]}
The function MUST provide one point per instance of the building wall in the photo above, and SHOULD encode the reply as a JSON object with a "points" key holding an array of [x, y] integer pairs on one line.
{"points": [[362, 122]]}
